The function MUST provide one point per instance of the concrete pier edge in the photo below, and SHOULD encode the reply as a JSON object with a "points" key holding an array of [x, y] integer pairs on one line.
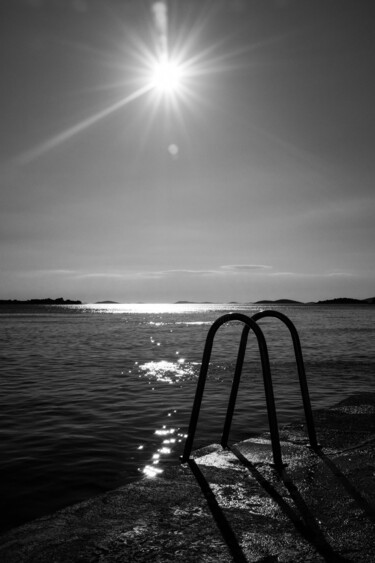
{"points": [[230, 505]]}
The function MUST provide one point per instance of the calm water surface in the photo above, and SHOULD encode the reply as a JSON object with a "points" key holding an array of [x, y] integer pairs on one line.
{"points": [[95, 396]]}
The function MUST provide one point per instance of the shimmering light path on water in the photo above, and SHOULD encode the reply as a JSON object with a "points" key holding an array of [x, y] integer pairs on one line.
{"points": [[95, 396]]}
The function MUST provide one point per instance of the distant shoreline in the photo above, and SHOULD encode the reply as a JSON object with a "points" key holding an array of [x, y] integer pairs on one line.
{"points": [[62, 301]]}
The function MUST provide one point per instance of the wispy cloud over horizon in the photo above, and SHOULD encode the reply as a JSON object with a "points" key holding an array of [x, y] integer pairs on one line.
{"points": [[246, 267], [228, 269], [312, 274], [45, 272], [218, 271]]}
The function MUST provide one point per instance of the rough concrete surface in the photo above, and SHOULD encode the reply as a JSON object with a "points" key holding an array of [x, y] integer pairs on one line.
{"points": [[230, 505]]}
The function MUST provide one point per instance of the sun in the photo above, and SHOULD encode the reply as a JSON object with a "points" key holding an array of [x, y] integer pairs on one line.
{"points": [[166, 76]]}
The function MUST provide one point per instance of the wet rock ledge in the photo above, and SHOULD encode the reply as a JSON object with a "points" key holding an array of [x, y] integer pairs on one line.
{"points": [[228, 506]]}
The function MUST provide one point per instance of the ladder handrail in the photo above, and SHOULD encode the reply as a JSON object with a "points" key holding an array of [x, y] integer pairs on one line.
{"points": [[235, 386], [300, 369], [250, 324]]}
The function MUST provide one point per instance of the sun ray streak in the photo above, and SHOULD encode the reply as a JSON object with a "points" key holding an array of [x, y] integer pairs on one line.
{"points": [[40, 150]]}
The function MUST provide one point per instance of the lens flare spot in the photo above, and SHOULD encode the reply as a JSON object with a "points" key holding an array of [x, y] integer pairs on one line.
{"points": [[173, 151]]}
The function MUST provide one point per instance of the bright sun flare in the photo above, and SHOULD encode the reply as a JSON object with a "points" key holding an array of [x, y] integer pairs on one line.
{"points": [[166, 76]]}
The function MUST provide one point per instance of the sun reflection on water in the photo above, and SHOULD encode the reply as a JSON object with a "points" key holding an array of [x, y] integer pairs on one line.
{"points": [[160, 308], [150, 308], [151, 471], [168, 372], [170, 438]]}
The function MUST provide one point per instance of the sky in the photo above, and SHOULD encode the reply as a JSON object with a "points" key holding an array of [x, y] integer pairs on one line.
{"points": [[253, 179]]}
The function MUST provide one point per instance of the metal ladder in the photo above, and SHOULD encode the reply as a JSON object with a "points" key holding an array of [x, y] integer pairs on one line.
{"points": [[251, 323]]}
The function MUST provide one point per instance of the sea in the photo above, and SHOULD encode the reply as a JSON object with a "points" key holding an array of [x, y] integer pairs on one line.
{"points": [[93, 397]]}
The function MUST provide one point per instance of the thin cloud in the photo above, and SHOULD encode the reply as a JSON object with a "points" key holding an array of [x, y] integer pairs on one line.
{"points": [[287, 274], [220, 271], [118, 275], [99, 275], [188, 272], [246, 267], [224, 270], [340, 274], [51, 272], [311, 274]]}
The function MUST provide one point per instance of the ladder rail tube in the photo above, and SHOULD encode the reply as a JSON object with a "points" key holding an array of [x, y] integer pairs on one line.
{"points": [[267, 380], [300, 369], [235, 386]]}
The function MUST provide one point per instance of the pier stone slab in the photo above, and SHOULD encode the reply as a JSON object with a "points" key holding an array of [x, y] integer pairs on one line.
{"points": [[230, 505]]}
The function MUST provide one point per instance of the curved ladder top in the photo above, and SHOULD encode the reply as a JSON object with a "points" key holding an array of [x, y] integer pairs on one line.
{"points": [[229, 317], [286, 320]]}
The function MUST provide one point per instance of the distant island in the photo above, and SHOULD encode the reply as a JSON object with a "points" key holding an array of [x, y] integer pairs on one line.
{"points": [[47, 301], [337, 301], [347, 301], [279, 302], [106, 303]]}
